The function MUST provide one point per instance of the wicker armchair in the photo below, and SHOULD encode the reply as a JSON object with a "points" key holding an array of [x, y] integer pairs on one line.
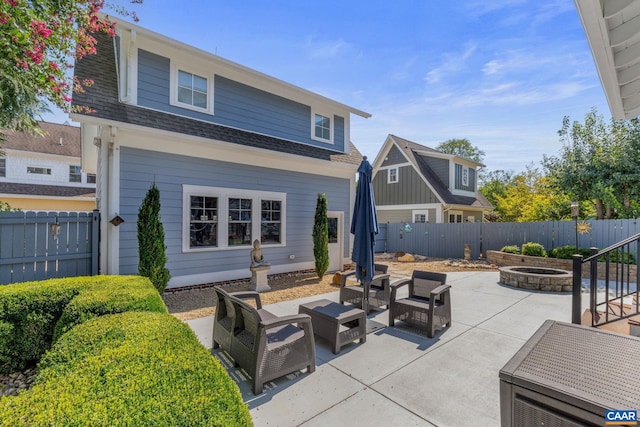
{"points": [[266, 346], [379, 291], [428, 305]]}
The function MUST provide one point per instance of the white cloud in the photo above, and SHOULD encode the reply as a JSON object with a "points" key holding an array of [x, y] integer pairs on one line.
{"points": [[452, 63], [328, 49]]}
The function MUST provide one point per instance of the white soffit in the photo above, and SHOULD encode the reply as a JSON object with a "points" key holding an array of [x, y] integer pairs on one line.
{"points": [[612, 28]]}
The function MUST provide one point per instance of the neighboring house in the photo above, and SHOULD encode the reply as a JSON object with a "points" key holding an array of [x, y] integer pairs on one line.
{"points": [[613, 32], [43, 173], [414, 183], [237, 155]]}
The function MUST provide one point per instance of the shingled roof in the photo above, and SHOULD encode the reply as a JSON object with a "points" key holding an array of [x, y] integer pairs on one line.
{"points": [[102, 96], [62, 140], [46, 190], [411, 151]]}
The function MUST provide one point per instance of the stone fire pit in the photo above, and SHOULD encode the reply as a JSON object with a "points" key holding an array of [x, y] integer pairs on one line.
{"points": [[537, 278]]}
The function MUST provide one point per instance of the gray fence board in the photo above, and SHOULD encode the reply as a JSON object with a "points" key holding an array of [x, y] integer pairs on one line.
{"points": [[449, 240], [28, 250]]}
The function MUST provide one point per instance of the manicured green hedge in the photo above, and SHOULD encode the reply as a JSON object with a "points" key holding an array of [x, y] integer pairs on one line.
{"points": [[533, 249], [34, 314], [135, 368]]}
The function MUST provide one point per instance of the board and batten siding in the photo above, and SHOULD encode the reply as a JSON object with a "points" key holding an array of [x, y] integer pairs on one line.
{"points": [[471, 184], [410, 188], [235, 104], [394, 157], [139, 168]]}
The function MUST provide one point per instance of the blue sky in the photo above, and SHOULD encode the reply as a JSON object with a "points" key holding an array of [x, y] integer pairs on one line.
{"points": [[502, 73]]}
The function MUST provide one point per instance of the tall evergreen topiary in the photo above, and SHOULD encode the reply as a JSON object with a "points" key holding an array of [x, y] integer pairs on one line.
{"points": [[151, 247], [321, 236]]}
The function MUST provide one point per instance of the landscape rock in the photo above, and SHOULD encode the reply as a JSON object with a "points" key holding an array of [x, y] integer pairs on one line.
{"points": [[407, 258]]}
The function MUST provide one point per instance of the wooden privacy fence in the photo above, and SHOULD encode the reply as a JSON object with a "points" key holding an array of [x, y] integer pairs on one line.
{"points": [[449, 240], [43, 245]]}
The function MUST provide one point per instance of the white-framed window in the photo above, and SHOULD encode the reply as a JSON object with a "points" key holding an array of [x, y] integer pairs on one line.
{"points": [[465, 176], [3, 167], [191, 89], [38, 170], [321, 127], [392, 175], [91, 178], [75, 173], [217, 218], [455, 216]]}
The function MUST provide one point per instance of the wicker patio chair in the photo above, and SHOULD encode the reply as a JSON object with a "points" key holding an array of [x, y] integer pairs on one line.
{"points": [[379, 290], [225, 316], [267, 346], [428, 305]]}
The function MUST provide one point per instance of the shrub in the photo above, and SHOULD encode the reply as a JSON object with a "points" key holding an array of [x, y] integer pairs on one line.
{"points": [[616, 256], [513, 249], [152, 255], [135, 368], [567, 252], [533, 249], [321, 236], [34, 314]]}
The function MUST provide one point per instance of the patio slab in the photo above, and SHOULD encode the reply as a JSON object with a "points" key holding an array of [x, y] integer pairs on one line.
{"points": [[400, 377]]}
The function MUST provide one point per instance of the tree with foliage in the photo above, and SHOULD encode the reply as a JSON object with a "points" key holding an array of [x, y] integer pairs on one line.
{"points": [[463, 148], [40, 41], [598, 163], [524, 197], [321, 236], [151, 248]]}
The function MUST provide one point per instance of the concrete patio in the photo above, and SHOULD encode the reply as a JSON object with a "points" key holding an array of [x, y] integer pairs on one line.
{"points": [[402, 378]]}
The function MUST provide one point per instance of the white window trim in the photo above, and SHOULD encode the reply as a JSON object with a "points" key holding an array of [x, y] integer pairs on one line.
{"points": [[223, 195], [313, 126], [465, 176], [173, 98], [389, 181]]}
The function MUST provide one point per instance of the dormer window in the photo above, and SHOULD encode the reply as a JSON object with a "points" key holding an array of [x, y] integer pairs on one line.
{"points": [[322, 128], [191, 90], [465, 176]]}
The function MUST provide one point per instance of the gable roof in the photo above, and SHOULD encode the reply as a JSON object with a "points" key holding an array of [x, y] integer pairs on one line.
{"points": [[412, 151], [61, 140], [46, 190], [102, 96]]}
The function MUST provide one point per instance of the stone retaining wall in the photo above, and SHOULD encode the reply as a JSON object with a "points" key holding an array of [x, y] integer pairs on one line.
{"points": [[504, 259]]}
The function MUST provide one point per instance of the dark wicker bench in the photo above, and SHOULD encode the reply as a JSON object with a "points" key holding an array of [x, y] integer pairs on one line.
{"points": [[329, 318], [262, 344]]}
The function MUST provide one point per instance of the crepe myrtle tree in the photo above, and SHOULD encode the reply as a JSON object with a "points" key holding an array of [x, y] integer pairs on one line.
{"points": [[151, 247], [39, 42], [321, 236]]}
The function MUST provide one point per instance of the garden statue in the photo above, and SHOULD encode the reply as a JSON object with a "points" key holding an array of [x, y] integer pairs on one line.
{"points": [[257, 259], [259, 268]]}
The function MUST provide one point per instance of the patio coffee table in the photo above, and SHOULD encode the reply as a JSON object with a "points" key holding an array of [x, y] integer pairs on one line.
{"points": [[335, 322]]}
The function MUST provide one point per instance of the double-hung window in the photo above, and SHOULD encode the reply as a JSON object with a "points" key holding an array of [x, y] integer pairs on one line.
{"points": [[203, 222], [3, 167], [271, 221], [75, 174], [223, 218], [392, 176], [240, 223]]}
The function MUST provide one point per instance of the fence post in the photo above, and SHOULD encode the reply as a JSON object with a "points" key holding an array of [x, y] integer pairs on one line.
{"points": [[576, 296], [95, 242]]}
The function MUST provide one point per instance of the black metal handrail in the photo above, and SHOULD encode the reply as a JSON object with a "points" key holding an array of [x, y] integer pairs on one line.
{"points": [[620, 283]]}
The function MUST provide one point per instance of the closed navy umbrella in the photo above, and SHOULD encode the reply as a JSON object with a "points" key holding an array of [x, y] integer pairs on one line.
{"points": [[364, 227]]}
